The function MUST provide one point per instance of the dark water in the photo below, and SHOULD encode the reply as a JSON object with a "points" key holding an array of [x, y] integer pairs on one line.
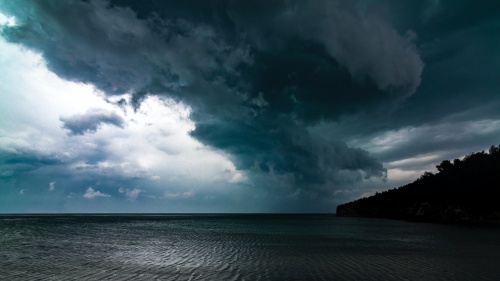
{"points": [[235, 247]]}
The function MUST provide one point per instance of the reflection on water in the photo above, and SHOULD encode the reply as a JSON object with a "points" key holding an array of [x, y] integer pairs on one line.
{"points": [[251, 247]]}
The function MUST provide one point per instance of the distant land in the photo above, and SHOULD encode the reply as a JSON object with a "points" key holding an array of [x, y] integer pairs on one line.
{"points": [[463, 191]]}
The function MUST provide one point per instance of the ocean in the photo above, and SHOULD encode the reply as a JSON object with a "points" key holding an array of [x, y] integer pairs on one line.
{"points": [[242, 247]]}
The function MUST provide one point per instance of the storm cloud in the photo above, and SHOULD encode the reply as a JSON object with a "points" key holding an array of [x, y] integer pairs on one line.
{"points": [[251, 93], [19, 162], [294, 93]]}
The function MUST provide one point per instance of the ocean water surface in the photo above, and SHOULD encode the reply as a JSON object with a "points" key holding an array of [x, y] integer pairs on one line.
{"points": [[242, 247]]}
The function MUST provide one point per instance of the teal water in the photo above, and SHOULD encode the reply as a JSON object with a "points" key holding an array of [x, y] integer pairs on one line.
{"points": [[242, 247]]}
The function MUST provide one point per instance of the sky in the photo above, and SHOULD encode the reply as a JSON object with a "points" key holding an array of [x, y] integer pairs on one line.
{"points": [[238, 106]]}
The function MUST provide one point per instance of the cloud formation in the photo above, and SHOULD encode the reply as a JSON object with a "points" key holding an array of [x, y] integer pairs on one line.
{"points": [[293, 93], [90, 193], [90, 121], [258, 118], [358, 40], [131, 194], [16, 163]]}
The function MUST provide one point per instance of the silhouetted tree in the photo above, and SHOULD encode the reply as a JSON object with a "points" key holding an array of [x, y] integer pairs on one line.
{"points": [[465, 190], [445, 165]]}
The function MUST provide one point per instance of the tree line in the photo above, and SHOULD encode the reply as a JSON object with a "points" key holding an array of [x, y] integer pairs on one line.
{"points": [[462, 190]]}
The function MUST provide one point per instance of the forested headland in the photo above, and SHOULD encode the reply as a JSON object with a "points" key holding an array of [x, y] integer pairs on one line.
{"points": [[466, 190]]}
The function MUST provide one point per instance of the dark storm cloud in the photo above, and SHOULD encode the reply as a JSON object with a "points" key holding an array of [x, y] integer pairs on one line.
{"points": [[455, 109], [31, 160], [90, 121], [256, 73], [360, 42], [109, 47], [282, 148], [458, 40], [14, 164]]}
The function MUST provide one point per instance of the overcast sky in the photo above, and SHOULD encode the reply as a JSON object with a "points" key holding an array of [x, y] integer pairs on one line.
{"points": [[238, 106]]}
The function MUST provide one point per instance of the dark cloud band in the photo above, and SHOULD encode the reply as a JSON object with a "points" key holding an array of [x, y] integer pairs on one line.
{"points": [[90, 121]]}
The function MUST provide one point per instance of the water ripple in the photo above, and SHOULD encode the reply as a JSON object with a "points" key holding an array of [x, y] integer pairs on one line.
{"points": [[242, 248]]}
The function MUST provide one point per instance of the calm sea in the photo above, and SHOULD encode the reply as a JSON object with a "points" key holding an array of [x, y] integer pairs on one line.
{"points": [[242, 247]]}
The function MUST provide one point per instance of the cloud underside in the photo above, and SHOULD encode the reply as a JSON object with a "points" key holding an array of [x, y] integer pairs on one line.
{"points": [[90, 121], [257, 75]]}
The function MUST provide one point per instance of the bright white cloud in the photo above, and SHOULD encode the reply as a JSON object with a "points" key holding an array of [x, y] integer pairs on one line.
{"points": [[153, 144], [7, 20], [91, 193], [33, 99]]}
